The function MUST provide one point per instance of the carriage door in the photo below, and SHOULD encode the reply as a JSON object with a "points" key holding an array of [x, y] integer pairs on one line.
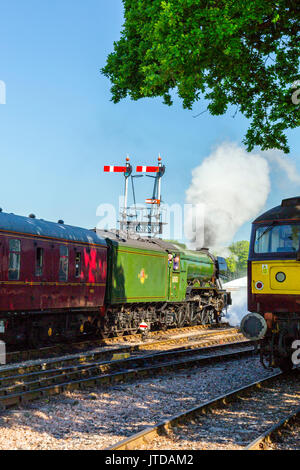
{"points": [[174, 277]]}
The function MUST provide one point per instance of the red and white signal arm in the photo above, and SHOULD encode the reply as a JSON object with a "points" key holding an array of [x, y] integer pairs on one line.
{"points": [[115, 169], [143, 326], [147, 169], [152, 201]]}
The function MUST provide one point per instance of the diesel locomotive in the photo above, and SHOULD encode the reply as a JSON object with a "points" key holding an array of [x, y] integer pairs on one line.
{"points": [[58, 281], [274, 284]]}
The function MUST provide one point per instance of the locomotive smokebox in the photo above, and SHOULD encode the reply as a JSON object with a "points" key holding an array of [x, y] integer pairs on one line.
{"points": [[254, 326]]}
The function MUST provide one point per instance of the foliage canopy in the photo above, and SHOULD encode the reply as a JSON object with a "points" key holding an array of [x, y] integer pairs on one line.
{"points": [[237, 261], [230, 52]]}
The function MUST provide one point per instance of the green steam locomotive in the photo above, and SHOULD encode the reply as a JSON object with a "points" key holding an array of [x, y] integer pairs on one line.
{"points": [[160, 283]]}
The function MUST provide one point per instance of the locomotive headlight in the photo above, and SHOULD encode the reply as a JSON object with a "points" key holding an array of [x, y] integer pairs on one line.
{"points": [[280, 277], [259, 285], [254, 326]]}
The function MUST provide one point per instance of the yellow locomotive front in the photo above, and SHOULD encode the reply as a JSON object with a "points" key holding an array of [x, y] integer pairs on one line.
{"points": [[274, 285]]}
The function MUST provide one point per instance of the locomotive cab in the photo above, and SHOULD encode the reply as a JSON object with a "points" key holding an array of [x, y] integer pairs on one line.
{"points": [[175, 276], [274, 283]]}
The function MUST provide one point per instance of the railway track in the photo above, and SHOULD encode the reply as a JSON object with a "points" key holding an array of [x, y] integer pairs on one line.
{"points": [[64, 348], [235, 411], [114, 352], [270, 437], [21, 385]]}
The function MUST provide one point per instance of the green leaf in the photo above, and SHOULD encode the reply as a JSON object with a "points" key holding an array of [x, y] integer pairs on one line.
{"points": [[232, 53]]}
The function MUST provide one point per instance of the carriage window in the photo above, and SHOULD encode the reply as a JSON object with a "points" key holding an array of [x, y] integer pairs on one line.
{"points": [[39, 262], [14, 260], [78, 265], [63, 263]]}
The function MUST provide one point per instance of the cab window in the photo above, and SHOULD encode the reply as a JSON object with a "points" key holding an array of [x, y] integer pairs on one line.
{"points": [[176, 263], [14, 260], [277, 238]]}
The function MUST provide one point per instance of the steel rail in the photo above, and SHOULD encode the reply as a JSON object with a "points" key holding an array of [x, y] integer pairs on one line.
{"points": [[30, 354], [270, 434], [83, 377], [106, 366], [206, 339], [150, 433]]}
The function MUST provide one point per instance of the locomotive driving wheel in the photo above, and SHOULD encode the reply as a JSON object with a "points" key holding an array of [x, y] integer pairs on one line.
{"points": [[206, 316], [180, 317], [135, 320], [193, 314]]}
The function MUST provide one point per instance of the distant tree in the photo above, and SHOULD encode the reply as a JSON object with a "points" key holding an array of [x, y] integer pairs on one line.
{"points": [[231, 263], [231, 52], [237, 262]]}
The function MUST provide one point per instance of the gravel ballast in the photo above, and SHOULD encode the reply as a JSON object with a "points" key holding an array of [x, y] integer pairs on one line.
{"points": [[99, 418], [289, 438], [237, 424]]}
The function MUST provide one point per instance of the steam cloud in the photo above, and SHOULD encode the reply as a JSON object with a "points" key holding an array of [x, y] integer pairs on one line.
{"points": [[284, 164], [233, 186], [238, 309], [229, 188]]}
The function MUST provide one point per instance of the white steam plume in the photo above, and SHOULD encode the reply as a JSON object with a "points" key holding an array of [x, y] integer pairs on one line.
{"points": [[284, 163], [238, 309], [233, 185]]}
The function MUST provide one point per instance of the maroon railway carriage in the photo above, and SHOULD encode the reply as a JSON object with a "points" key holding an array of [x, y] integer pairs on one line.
{"points": [[52, 279]]}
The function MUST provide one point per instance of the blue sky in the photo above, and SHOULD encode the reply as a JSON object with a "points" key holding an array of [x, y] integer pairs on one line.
{"points": [[59, 127]]}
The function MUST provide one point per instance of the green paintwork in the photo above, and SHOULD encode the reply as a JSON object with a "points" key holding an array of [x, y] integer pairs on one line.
{"points": [[137, 274], [198, 265], [193, 266]]}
